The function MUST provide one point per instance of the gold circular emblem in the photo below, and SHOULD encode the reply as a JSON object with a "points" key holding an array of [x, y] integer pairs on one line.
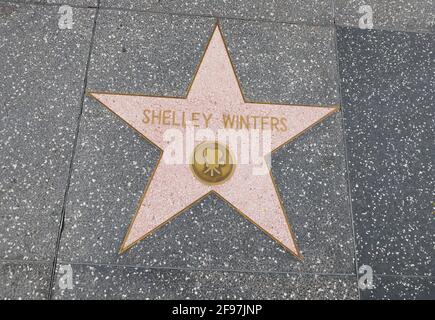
{"points": [[212, 163]]}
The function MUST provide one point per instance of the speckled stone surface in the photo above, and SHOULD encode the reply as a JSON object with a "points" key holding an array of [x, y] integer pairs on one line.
{"points": [[81, 3], [137, 53], [388, 98], [292, 63], [210, 251], [303, 11], [401, 288], [40, 92], [111, 282], [405, 15], [113, 164], [24, 281]]}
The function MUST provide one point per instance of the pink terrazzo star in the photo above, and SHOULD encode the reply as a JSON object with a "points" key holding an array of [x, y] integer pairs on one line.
{"points": [[173, 187]]}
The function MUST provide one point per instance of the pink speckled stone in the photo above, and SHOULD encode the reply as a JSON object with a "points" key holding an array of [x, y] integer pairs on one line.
{"points": [[173, 188]]}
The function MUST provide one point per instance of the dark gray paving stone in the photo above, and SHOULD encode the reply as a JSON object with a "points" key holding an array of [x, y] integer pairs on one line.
{"points": [[310, 174], [139, 53], [388, 99], [131, 4], [405, 15], [24, 280], [307, 11], [113, 164], [400, 288], [41, 85], [157, 54], [81, 3], [284, 63], [112, 282]]}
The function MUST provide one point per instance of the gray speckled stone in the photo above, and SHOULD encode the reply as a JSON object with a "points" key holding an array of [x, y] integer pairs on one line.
{"points": [[41, 85], [291, 63], [113, 164], [400, 288], [284, 63], [406, 15], [307, 11], [310, 173], [388, 99], [114, 282], [24, 280], [131, 4], [82, 3], [138, 53]]}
